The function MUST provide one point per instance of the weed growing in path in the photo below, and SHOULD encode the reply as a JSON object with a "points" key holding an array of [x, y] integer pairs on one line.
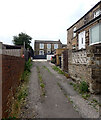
{"points": [[42, 85], [58, 70], [46, 69]]}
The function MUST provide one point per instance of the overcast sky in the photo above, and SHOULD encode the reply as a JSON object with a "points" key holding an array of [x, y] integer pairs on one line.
{"points": [[40, 19]]}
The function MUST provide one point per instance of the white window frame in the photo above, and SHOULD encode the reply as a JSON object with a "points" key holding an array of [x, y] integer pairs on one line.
{"points": [[48, 51], [74, 34], [98, 34], [41, 52], [81, 37], [41, 46], [97, 13], [48, 46], [55, 46]]}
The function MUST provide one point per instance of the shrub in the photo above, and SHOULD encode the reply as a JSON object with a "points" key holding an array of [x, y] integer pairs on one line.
{"points": [[28, 65], [83, 87]]}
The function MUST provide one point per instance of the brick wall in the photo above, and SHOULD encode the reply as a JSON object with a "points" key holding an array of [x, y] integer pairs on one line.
{"points": [[12, 68]]}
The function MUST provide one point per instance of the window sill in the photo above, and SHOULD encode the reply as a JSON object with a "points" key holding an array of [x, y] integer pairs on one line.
{"points": [[94, 43]]}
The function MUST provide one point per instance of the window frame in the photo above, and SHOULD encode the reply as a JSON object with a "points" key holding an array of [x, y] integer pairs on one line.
{"points": [[98, 10], [41, 50], [57, 46], [98, 35], [48, 47], [74, 34], [41, 45]]}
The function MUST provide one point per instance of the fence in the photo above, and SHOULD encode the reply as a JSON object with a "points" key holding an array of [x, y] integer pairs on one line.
{"points": [[12, 52]]}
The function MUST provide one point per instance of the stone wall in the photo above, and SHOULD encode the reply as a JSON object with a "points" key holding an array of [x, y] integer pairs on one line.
{"points": [[85, 65]]}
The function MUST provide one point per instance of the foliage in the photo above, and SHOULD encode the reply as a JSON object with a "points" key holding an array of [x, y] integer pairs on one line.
{"points": [[21, 38], [22, 91], [42, 85], [83, 87], [46, 69], [86, 96], [58, 70], [28, 65]]}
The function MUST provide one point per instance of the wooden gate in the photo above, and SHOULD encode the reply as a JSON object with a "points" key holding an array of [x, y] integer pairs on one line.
{"points": [[65, 60]]}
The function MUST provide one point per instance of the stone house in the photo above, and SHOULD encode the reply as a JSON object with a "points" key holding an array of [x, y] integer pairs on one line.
{"points": [[84, 49], [44, 47]]}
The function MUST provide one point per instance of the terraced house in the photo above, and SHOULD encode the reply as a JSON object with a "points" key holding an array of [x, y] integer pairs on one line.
{"points": [[44, 47], [84, 48]]}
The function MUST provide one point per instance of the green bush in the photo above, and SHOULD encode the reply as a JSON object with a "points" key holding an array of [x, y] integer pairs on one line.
{"points": [[28, 65], [83, 87]]}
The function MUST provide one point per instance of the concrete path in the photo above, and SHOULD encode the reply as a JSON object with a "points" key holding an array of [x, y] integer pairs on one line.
{"points": [[54, 104]]}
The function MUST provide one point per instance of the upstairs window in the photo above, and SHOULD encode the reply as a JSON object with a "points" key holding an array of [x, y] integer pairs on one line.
{"points": [[97, 13], [95, 35], [41, 46], [48, 46], [55, 46], [74, 34]]}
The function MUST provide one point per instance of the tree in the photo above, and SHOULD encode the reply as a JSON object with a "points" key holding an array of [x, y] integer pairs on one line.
{"points": [[21, 38]]}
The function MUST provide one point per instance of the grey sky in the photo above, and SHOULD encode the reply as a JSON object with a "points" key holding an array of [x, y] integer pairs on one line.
{"points": [[41, 19]]}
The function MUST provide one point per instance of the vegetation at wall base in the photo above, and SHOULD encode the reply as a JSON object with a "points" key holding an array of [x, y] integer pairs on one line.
{"points": [[22, 92], [58, 70]]}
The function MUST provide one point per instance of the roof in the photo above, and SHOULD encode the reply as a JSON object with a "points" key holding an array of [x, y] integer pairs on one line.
{"points": [[85, 14], [11, 46], [47, 41]]}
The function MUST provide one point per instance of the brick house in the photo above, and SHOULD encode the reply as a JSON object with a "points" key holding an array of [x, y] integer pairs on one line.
{"points": [[84, 49], [44, 47]]}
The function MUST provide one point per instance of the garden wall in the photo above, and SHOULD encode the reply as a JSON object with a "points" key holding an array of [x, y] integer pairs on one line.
{"points": [[11, 68], [85, 65]]}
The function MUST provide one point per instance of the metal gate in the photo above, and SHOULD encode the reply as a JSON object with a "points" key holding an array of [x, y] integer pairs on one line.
{"points": [[65, 60]]}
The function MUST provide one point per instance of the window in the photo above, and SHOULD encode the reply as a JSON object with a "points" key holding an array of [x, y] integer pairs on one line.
{"points": [[48, 51], [41, 52], [48, 46], [74, 34], [41, 46], [73, 46], [82, 40], [95, 35], [55, 46], [97, 13]]}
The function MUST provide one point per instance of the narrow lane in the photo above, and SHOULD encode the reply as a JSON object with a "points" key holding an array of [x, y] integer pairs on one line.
{"points": [[53, 104]]}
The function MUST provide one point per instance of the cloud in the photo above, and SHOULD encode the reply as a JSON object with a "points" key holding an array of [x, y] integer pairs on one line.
{"points": [[41, 19]]}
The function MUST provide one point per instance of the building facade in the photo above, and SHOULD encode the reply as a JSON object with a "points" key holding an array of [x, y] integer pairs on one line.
{"points": [[86, 31], [43, 47], [84, 49]]}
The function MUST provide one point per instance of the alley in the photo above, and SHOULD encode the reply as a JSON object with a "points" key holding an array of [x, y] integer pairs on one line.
{"points": [[53, 103]]}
